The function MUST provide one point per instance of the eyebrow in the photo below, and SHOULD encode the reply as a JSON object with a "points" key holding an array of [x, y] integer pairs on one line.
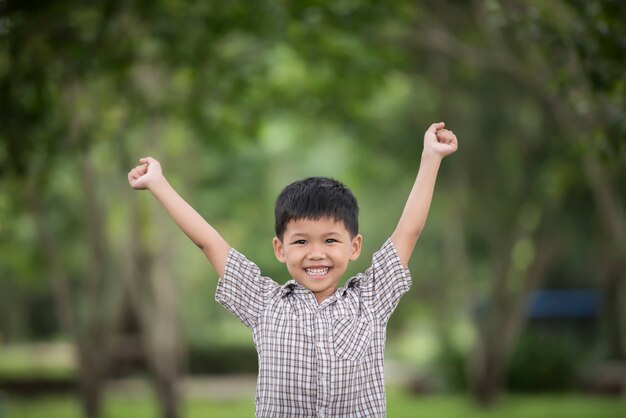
{"points": [[302, 234], [332, 233]]}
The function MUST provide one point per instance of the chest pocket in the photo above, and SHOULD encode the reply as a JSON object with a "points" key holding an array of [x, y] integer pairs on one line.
{"points": [[351, 336]]}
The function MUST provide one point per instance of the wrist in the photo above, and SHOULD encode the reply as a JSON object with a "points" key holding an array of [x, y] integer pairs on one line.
{"points": [[429, 156], [156, 183]]}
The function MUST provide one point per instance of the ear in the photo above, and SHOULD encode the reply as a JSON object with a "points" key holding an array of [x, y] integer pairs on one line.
{"points": [[356, 247], [279, 250]]}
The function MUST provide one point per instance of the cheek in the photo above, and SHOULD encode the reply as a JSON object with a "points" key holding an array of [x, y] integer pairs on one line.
{"points": [[293, 257], [342, 257]]}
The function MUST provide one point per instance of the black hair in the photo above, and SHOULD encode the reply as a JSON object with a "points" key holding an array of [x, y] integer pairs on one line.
{"points": [[316, 198]]}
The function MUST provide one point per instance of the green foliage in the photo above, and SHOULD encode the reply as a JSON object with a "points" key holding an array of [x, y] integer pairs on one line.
{"points": [[452, 364], [239, 98], [547, 361], [222, 360]]}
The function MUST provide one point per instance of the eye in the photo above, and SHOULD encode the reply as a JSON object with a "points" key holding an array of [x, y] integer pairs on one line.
{"points": [[300, 242], [331, 241]]}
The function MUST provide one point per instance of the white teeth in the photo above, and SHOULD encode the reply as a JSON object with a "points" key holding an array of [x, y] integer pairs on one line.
{"points": [[317, 272]]}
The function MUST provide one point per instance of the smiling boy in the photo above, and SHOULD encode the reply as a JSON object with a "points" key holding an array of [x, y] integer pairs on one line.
{"points": [[317, 233], [320, 347]]}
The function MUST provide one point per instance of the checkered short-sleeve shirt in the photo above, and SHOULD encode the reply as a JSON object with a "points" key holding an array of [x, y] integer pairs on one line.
{"points": [[315, 360]]}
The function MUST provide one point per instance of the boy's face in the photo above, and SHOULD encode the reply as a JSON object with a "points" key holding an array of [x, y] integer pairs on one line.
{"points": [[317, 253]]}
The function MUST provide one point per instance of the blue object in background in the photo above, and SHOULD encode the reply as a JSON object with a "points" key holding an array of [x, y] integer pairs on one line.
{"points": [[553, 304]]}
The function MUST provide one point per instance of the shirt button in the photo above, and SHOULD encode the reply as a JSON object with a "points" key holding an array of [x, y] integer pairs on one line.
{"points": [[320, 344]]}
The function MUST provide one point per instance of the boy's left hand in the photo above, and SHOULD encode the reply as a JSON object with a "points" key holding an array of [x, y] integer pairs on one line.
{"points": [[438, 141]]}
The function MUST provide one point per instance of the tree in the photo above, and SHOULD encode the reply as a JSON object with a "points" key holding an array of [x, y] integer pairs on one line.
{"points": [[564, 55]]}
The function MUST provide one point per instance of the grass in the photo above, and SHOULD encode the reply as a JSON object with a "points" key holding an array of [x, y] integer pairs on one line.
{"points": [[400, 405], [46, 361]]}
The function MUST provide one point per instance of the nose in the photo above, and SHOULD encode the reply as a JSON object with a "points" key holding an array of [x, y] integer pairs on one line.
{"points": [[316, 252]]}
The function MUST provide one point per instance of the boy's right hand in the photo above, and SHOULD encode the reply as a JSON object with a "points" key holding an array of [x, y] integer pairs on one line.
{"points": [[142, 176]]}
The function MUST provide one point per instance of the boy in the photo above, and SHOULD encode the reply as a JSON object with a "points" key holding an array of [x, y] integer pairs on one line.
{"points": [[320, 348]]}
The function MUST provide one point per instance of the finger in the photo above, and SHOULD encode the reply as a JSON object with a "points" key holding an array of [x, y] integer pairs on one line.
{"points": [[443, 132], [435, 127], [135, 172], [147, 160], [139, 171], [451, 141], [443, 136]]}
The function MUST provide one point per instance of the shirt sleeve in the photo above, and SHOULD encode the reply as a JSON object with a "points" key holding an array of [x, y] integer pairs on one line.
{"points": [[242, 290], [383, 284]]}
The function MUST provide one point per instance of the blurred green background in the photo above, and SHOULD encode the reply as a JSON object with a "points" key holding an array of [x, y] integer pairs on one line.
{"points": [[518, 306]]}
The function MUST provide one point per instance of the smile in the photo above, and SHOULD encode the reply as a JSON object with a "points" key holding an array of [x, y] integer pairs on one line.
{"points": [[322, 271]]}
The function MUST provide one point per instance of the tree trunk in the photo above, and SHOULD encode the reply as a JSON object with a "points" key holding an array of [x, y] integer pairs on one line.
{"points": [[152, 290], [486, 385], [90, 381], [163, 337], [615, 303], [88, 351], [94, 335], [505, 318]]}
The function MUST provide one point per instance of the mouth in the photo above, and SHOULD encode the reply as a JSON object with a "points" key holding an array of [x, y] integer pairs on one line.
{"points": [[317, 272]]}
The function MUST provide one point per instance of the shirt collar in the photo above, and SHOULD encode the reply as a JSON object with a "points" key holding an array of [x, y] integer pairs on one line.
{"points": [[349, 284], [294, 287]]}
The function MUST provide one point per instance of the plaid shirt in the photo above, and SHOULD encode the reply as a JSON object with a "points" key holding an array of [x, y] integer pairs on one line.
{"points": [[315, 360]]}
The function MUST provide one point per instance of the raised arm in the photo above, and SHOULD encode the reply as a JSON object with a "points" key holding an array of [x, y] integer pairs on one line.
{"points": [[438, 143], [149, 176]]}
